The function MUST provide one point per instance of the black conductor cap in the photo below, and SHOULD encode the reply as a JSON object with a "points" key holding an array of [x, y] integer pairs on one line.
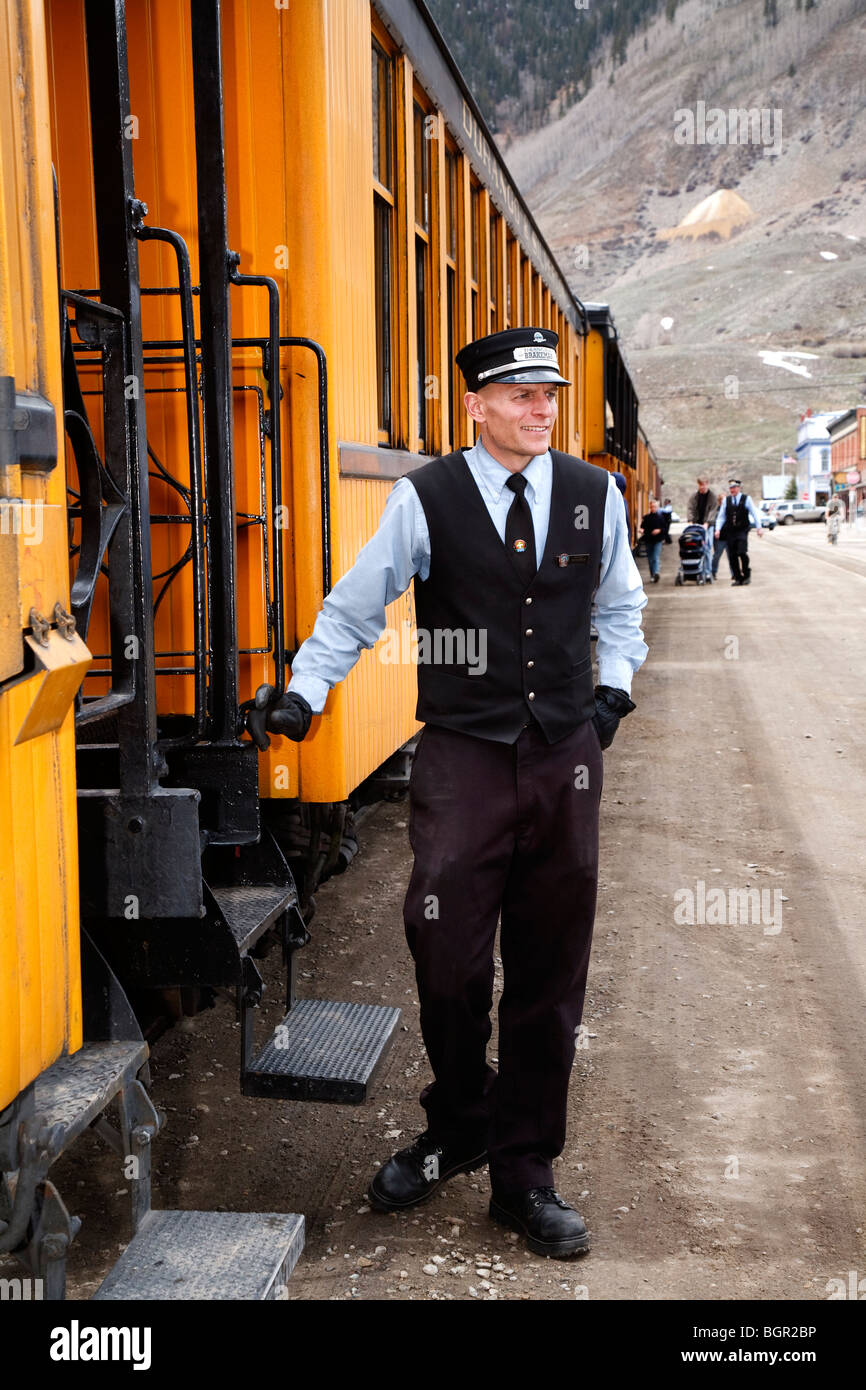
{"points": [[515, 355]]}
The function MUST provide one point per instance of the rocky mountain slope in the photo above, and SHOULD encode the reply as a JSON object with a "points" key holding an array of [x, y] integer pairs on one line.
{"points": [[730, 337]]}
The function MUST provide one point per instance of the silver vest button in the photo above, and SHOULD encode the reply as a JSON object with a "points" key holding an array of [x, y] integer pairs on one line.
{"points": [[531, 695], [527, 600], [529, 632]]}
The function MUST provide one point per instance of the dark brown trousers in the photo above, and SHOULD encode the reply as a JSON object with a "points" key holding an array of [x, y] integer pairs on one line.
{"points": [[511, 830]]}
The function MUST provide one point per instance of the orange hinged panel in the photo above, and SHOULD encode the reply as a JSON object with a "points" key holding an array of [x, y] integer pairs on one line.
{"points": [[40, 992]]}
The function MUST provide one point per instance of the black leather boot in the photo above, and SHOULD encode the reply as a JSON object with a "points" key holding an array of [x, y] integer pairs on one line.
{"points": [[549, 1225], [414, 1174]]}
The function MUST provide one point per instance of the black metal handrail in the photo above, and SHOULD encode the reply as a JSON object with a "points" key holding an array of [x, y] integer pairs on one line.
{"points": [[103, 504], [196, 503], [262, 345], [271, 368]]}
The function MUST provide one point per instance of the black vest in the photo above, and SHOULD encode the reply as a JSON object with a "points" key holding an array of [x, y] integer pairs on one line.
{"points": [[537, 658], [736, 516]]}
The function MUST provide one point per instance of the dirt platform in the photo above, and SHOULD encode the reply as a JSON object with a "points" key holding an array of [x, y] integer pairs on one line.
{"points": [[716, 1141]]}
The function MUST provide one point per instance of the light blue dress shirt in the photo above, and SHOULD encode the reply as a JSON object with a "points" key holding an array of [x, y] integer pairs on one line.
{"points": [[353, 614], [723, 511]]}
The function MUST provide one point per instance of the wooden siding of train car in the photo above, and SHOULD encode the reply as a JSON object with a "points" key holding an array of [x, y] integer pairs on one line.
{"points": [[593, 397], [40, 990], [372, 712], [298, 132], [160, 73]]}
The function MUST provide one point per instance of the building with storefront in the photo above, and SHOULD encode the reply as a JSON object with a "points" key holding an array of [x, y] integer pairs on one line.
{"points": [[813, 456], [847, 435]]}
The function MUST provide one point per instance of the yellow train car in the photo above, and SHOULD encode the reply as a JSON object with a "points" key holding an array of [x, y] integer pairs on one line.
{"points": [[609, 410], [409, 239], [648, 479], [273, 228]]}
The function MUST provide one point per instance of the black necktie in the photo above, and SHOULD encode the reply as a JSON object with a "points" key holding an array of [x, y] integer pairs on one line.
{"points": [[519, 531]]}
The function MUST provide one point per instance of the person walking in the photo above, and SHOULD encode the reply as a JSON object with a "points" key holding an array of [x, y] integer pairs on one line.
{"points": [[666, 511], [834, 515], [702, 512], [513, 540], [654, 530], [732, 524]]}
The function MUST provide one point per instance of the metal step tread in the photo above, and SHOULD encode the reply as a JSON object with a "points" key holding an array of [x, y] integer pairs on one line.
{"points": [[207, 1255], [76, 1089], [325, 1050], [249, 909]]}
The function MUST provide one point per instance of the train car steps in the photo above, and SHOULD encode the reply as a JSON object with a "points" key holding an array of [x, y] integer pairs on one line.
{"points": [[322, 1051], [208, 1255]]}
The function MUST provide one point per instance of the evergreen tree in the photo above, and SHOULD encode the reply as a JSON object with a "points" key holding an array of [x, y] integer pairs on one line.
{"points": [[519, 56]]}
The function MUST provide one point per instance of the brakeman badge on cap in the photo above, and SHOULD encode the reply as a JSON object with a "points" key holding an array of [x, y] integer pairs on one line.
{"points": [[517, 355]]}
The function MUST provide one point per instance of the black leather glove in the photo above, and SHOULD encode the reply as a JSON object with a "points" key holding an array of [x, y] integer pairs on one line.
{"points": [[289, 715], [610, 707]]}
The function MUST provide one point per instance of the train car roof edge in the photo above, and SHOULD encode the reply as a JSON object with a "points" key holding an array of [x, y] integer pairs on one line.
{"points": [[414, 28], [599, 315]]}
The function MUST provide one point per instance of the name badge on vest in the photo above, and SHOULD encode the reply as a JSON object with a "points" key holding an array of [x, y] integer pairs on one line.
{"points": [[564, 559]]}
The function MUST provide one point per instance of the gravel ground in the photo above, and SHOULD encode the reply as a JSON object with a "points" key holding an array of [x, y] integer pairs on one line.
{"points": [[716, 1144]]}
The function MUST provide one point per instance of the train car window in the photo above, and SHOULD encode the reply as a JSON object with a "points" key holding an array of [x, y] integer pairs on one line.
{"points": [[576, 390], [495, 323], [510, 257], [519, 274], [452, 320], [382, 241], [422, 171], [451, 313], [383, 124], [422, 259], [383, 234], [451, 204], [426, 273], [475, 261]]}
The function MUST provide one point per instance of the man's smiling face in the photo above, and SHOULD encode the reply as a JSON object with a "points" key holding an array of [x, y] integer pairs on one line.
{"points": [[516, 419]]}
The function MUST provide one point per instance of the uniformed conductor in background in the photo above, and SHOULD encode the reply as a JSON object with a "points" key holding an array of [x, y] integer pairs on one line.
{"points": [[508, 543]]}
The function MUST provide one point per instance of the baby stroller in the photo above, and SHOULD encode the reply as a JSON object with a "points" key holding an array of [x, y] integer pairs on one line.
{"points": [[691, 555]]}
